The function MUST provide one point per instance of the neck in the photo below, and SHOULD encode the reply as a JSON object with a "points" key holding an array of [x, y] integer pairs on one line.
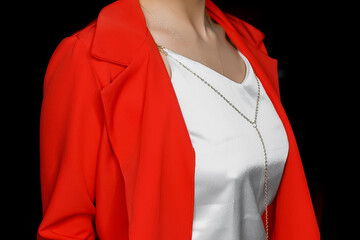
{"points": [[184, 14]]}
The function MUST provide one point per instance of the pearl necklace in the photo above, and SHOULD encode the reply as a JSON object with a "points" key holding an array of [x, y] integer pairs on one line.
{"points": [[252, 122]]}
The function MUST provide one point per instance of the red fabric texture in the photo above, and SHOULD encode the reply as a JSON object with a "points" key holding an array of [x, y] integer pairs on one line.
{"points": [[116, 158]]}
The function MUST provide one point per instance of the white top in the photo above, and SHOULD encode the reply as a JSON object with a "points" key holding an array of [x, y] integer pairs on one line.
{"points": [[229, 171]]}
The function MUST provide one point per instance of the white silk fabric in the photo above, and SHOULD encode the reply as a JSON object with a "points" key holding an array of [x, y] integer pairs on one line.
{"points": [[229, 157]]}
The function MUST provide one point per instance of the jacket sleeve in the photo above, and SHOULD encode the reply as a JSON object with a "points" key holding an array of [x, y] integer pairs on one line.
{"points": [[70, 131]]}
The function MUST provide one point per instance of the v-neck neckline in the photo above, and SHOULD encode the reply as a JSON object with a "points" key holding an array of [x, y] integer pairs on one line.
{"points": [[215, 72]]}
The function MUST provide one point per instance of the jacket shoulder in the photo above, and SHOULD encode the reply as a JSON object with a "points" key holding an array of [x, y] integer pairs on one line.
{"points": [[250, 34], [86, 34], [79, 46]]}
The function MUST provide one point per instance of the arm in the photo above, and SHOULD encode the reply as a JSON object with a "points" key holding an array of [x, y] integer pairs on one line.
{"points": [[71, 125]]}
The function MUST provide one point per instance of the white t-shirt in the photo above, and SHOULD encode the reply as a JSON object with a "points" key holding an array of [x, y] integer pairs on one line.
{"points": [[229, 157]]}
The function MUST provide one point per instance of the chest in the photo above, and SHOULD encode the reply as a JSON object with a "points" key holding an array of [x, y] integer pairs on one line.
{"points": [[229, 155], [227, 146]]}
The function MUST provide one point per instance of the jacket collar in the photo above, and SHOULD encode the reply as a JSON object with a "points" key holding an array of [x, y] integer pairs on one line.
{"points": [[124, 22], [164, 175]]}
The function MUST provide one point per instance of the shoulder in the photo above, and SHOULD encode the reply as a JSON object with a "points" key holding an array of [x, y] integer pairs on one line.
{"points": [[250, 34], [76, 50], [74, 47], [77, 44], [86, 34]]}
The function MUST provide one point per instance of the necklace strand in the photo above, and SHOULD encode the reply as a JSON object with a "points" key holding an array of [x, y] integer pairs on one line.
{"points": [[177, 35], [253, 123]]}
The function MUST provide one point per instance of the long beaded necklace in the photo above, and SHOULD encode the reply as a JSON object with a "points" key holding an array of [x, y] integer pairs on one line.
{"points": [[252, 122]]}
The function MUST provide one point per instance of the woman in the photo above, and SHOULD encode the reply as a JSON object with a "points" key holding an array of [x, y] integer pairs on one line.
{"points": [[162, 120]]}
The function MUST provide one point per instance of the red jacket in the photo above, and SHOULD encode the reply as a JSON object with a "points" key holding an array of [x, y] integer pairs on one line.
{"points": [[116, 158]]}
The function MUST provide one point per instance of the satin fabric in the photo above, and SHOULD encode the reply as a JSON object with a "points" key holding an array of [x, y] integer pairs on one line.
{"points": [[229, 157], [116, 159]]}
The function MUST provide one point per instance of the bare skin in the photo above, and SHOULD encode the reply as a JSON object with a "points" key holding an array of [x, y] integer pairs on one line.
{"points": [[192, 33]]}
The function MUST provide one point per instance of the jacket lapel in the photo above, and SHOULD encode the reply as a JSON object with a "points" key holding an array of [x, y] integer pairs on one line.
{"points": [[146, 128], [152, 145], [145, 124], [291, 212], [121, 29]]}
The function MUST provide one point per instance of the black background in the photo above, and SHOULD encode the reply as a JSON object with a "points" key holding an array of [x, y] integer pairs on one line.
{"points": [[314, 43]]}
